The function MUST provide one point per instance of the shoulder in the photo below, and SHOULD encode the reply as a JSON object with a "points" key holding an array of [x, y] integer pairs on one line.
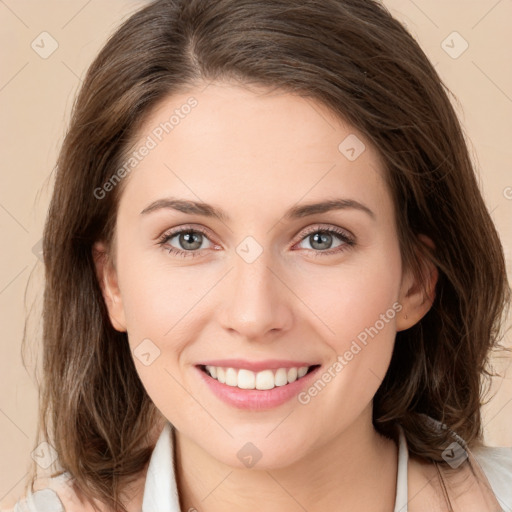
{"points": [[55, 494], [496, 463], [483, 485], [58, 495]]}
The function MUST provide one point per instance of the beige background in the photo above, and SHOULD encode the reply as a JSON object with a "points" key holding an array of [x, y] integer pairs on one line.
{"points": [[35, 99]]}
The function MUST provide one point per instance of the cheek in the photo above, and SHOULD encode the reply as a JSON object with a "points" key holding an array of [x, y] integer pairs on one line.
{"points": [[358, 306], [353, 296], [157, 295], [343, 300], [349, 307], [161, 305]]}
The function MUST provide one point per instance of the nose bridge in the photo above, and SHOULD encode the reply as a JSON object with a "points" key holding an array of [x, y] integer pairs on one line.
{"points": [[254, 278], [252, 261], [256, 301]]}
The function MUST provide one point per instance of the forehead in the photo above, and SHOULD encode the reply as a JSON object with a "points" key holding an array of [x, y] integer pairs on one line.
{"points": [[224, 142]]}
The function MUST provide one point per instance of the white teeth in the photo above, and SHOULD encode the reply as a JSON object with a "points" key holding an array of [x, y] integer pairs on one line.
{"points": [[246, 379], [281, 377], [231, 377], [265, 379], [302, 371]]}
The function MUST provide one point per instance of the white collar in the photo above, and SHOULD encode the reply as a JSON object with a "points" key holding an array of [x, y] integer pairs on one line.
{"points": [[161, 493]]}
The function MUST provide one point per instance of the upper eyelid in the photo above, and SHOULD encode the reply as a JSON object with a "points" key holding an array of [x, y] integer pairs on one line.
{"points": [[171, 233], [318, 227], [308, 230]]}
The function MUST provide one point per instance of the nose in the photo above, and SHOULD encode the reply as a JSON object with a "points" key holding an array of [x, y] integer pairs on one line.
{"points": [[256, 301]]}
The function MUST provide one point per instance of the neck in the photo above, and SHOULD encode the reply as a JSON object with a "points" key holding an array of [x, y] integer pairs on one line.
{"points": [[335, 475]]}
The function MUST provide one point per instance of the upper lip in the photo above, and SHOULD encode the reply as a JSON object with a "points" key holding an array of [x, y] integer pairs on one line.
{"points": [[256, 366]]}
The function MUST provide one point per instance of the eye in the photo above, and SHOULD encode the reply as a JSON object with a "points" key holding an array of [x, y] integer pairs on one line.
{"points": [[321, 240], [189, 241]]}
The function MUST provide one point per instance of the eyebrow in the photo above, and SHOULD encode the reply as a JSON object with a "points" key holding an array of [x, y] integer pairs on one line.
{"points": [[296, 212]]}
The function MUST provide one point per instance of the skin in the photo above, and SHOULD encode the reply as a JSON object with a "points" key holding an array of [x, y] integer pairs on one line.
{"points": [[256, 154]]}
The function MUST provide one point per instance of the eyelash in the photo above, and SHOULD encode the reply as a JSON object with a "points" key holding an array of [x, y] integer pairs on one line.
{"points": [[347, 240]]}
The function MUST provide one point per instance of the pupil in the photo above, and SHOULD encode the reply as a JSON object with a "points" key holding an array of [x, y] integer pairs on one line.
{"points": [[188, 238], [321, 238]]}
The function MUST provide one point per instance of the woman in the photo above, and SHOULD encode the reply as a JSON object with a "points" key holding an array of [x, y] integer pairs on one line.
{"points": [[267, 250]]}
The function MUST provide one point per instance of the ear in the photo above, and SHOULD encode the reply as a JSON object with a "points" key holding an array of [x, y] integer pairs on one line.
{"points": [[107, 279], [417, 296]]}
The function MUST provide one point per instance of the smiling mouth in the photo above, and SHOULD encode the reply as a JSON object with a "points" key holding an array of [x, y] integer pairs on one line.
{"points": [[262, 380]]}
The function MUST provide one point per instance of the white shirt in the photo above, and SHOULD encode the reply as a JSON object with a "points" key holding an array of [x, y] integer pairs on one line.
{"points": [[161, 493]]}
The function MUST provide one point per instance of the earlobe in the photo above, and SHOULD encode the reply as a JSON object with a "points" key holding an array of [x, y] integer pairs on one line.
{"points": [[417, 294], [107, 279]]}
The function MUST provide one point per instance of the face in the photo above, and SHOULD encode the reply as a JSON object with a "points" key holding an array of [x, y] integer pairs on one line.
{"points": [[267, 286]]}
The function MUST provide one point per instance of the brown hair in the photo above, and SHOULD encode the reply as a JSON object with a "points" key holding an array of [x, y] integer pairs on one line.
{"points": [[354, 58]]}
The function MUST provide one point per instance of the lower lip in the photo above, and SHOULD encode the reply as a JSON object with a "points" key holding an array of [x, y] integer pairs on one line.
{"points": [[256, 399]]}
